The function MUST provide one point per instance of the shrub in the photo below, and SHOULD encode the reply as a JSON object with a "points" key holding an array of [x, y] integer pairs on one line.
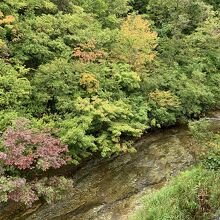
{"points": [[194, 194], [20, 190], [209, 140], [27, 149]]}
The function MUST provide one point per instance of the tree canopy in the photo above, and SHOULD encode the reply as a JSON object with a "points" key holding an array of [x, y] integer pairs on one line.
{"points": [[97, 74]]}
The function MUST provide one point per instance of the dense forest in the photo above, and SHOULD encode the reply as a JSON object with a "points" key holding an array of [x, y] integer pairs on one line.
{"points": [[85, 77]]}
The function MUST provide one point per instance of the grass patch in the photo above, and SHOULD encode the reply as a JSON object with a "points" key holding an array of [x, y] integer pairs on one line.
{"points": [[193, 195]]}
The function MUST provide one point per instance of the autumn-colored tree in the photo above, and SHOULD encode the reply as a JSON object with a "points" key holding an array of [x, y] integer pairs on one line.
{"points": [[9, 19], [89, 81], [135, 42], [88, 52]]}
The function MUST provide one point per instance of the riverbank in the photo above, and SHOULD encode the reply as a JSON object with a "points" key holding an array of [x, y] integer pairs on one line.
{"points": [[194, 194], [111, 188]]}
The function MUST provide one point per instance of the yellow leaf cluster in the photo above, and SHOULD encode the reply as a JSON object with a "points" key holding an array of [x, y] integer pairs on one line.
{"points": [[103, 109], [7, 20], [135, 42], [165, 98], [89, 81]]}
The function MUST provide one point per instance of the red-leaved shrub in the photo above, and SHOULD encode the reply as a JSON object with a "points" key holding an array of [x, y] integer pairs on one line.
{"points": [[24, 148], [27, 149]]}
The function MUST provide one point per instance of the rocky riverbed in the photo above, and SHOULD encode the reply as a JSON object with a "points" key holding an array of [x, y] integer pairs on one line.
{"points": [[111, 189]]}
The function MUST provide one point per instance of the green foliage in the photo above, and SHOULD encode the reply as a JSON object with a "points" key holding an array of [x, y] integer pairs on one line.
{"points": [[101, 76], [98, 126], [194, 194], [174, 17], [7, 117], [214, 3], [139, 5], [14, 87], [98, 77], [106, 11], [48, 37], [127, 79], [201, 130], [210, 141]]}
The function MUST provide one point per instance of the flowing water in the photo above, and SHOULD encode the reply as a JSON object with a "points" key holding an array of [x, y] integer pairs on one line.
{"points": [[111, 189]]}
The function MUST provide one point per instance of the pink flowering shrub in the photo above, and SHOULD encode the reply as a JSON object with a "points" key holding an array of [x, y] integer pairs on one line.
{"points": [[22, 148], [27, 149]]}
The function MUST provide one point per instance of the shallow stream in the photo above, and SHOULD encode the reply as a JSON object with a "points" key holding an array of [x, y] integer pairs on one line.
{"points": [[111, 189]]}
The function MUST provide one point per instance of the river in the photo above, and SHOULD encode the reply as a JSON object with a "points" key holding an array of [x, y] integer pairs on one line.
{"points": [[111, 189]]}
